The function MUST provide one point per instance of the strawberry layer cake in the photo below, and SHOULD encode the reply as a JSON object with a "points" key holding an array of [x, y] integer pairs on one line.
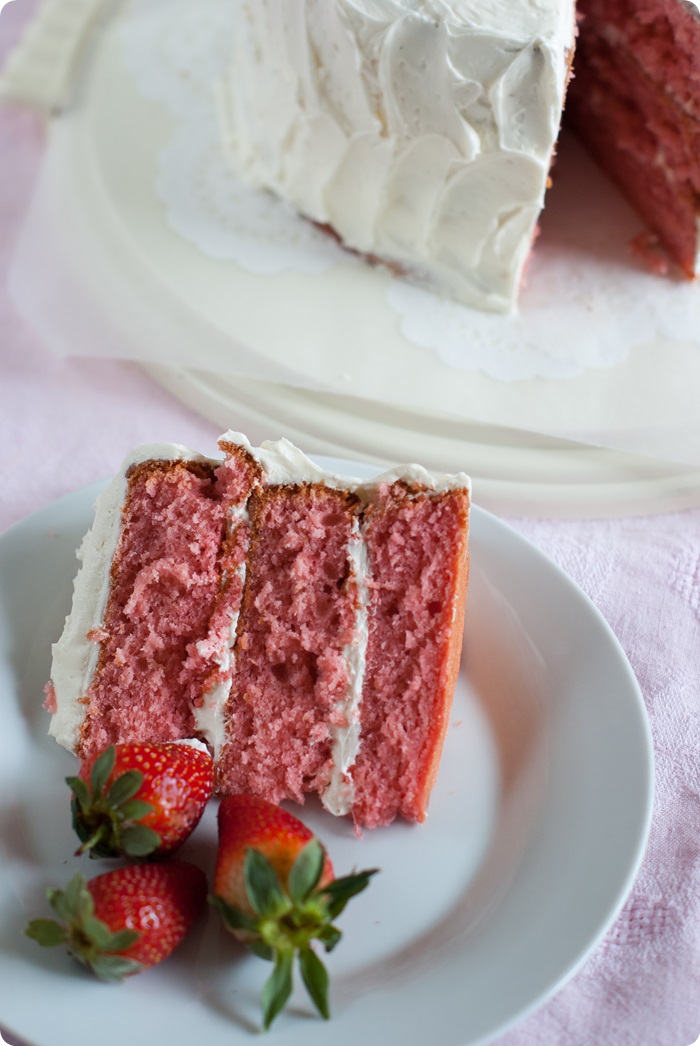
{"points": [[306, 626], [421, 133]]}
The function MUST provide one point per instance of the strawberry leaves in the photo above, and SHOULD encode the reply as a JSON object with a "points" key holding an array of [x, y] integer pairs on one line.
{"points": [[315, 977], [287, 917], [87, 938], [305, 873], [105, 819], [278, 987], [46, 932], [125, 920], [340, 891], [264, 888]]}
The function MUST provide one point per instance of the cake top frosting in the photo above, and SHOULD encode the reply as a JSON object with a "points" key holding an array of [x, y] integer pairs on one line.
{"points": [[283, 462]]}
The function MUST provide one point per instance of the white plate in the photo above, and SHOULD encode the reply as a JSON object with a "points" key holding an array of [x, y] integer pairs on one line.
{"points": [[537, 827]]}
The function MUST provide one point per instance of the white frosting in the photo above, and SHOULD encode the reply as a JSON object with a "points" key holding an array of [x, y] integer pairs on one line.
{"points": [[192, 742], [416, 475], [420, 130], [209, 716], [339, 794], [75, 655], [283, 462]]}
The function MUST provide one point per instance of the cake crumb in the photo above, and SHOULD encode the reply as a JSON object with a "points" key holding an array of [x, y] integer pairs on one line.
{"points": [[97, 635], [50, 703], [649, 250]]}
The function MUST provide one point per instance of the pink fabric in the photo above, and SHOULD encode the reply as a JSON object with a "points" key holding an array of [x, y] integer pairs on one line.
{"points": [[66, 424], [642, 985]]}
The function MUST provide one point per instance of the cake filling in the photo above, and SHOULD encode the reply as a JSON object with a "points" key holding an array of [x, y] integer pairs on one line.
{"points": [[219, 644], [346, 729], [237, 477]]}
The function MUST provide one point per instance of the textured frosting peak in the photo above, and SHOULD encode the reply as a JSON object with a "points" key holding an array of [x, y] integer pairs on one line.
{"points": [[421, 131]]}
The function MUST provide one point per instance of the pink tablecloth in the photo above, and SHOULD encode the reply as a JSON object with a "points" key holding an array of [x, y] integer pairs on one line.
{"points": [[66, 424]]}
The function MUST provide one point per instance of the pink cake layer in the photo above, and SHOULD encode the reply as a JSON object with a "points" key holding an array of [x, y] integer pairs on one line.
{"points": [[169, 590], [297, 617], [417, 547], [635, 101]]}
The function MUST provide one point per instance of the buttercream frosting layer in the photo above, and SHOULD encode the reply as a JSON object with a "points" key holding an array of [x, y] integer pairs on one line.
{"points": [[421, 131]]}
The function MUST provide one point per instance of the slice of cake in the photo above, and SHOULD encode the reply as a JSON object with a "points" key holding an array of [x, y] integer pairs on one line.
{"points": [[421, 133], [307, 626], [635, 102]]}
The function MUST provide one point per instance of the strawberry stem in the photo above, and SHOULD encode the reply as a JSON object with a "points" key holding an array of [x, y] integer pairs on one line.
{"points": [[92, 842], [278, 987], [282, 920], [315, 977]]}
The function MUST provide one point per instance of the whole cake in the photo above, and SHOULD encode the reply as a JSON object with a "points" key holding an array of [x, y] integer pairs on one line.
{"points": [[306, 626], [421, 132]]}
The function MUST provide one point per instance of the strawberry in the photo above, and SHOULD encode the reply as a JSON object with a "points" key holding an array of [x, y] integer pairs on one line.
{"points": [[139, 800], [126, 920], [275, 888]]}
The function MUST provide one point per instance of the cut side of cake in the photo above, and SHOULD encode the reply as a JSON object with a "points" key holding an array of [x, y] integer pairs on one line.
{"points": [[635, 102], [306, 626], [421, 133]]}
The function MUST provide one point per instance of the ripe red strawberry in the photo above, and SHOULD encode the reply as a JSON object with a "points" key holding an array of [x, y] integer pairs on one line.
{"points": [[139, 800], [126, 920], [275, 889]]}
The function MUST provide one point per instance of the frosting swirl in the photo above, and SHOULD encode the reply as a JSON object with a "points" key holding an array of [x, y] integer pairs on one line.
{"points": [[421, 132]]}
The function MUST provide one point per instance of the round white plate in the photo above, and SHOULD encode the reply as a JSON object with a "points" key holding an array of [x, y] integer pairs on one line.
{"points": [[537, 826]]}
